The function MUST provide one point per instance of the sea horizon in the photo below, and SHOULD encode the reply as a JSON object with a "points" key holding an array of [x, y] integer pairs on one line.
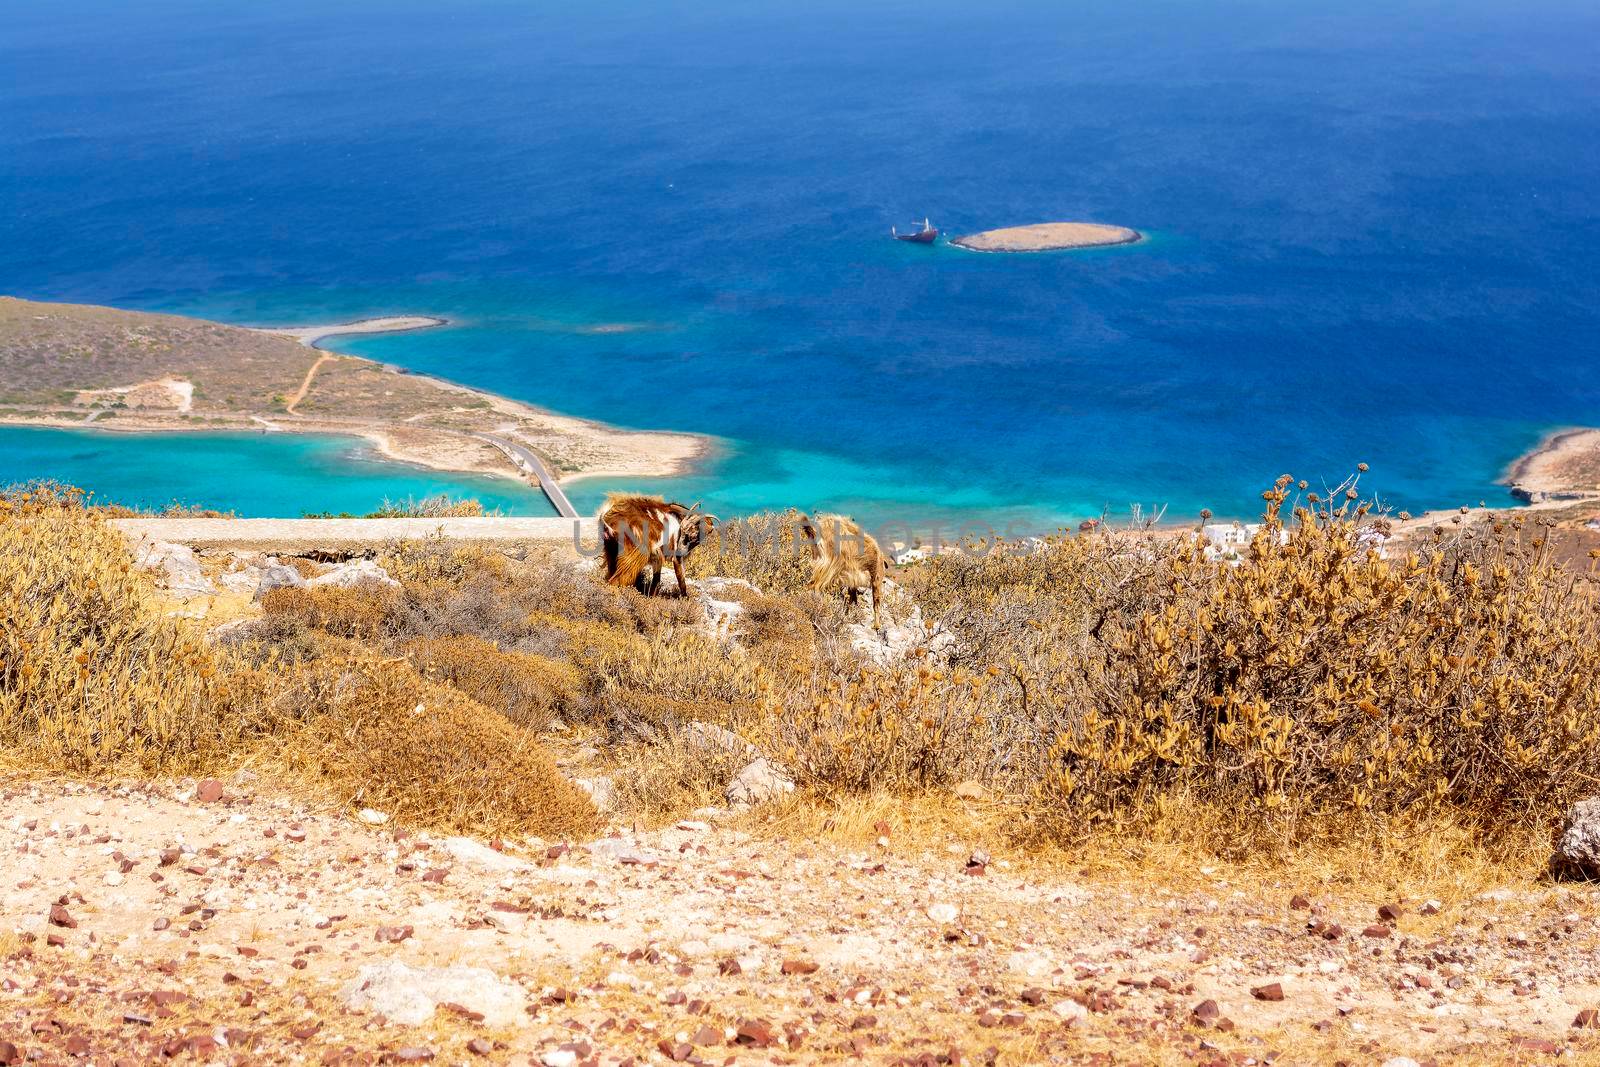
{"points": [[1371, 235]]}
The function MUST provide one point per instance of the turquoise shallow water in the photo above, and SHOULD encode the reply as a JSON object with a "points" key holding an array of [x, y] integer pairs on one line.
{"points": [[255, 475], [1375, 227]]}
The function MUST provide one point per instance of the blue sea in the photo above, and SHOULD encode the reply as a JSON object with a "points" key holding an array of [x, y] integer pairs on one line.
{"points": [[1373, 233]]}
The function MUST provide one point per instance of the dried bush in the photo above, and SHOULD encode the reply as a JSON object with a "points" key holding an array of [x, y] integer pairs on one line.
{"points": [[375, 733], [363, 613], [529, 690], [93, 678], [766, 550], [442, 506]]}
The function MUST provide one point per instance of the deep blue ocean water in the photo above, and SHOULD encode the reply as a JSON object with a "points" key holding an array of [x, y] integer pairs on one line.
{"points": [[1375, 227]]}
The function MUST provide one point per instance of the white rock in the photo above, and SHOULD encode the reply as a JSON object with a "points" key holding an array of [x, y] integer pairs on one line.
{"points": [[277, 575], [602, 791], [1400, 1061], [1028, 963], [372, 817], [356, 572], [1070, 1012], [897, 640], [709, 737], [625, 851], [1578, 848], [559, 1057], [241, 581], [408, 995], [476, 854], [760, 781], [943, 912], [180, 571]]}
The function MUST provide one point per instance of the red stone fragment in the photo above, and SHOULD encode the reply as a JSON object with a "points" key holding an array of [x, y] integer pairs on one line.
{"points": [[1390, 912], [1298, 902], [757, 1033], [59, 916], [1376, 930], [1206, 1013], [1270, 991], [479, 1046], [706, 1035], [210, 791], [393, 935], [1588, 1019], [799, 967]]}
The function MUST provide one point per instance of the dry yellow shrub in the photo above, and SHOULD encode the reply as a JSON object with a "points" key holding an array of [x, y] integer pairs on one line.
{"points": [[375, 733], [765, 550], [362, 613], [529, 690], [92, 677]]}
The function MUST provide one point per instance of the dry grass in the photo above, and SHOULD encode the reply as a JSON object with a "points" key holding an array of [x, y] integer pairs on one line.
{"points": [[528, 690], [95, 681], [92, 677], [1107, 687], [376, 734]]}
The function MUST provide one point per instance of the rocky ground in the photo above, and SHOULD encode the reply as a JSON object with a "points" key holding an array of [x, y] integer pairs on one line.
{"points": [[223, 922]]}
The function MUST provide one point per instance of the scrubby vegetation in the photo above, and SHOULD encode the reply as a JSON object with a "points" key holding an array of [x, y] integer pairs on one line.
{"points": [[95, 679], [1103, 683]]}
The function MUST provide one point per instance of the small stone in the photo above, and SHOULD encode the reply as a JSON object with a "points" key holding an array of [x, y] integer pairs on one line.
{"points": [[706, 1036], [799, 967], [480, 1046], [59, 916], [1270, 991], [411, 1054], [943, 913], [755, 1033], [559, 1057], [1376, 930], [1432, 907], [392, 935], [970, 790], [372, 817], [1070, 1012], [209, 791], [1206, 1013], [1299, 902], [1588, 1019], [1390, 912]]}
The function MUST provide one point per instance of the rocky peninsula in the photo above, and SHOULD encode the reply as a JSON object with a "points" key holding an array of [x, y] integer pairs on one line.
{"points": [[1048, 237], [70, 365]]}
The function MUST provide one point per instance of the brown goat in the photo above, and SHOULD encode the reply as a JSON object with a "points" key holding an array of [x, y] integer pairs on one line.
{"points": [[638, 534], [844, 554]]}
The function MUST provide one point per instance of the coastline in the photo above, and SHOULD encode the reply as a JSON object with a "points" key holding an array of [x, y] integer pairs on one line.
{"points": [[310, 335], [415, 419]]}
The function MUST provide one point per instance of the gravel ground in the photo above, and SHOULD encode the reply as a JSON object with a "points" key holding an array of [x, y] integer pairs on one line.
{"points": [[211, 921]]}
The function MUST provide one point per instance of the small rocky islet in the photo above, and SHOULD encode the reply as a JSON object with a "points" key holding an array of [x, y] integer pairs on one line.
{"points": [[1048, 237]]}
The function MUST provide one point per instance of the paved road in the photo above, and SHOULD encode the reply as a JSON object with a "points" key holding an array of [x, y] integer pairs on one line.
{"points": [[528, 460], [322, 533]]}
